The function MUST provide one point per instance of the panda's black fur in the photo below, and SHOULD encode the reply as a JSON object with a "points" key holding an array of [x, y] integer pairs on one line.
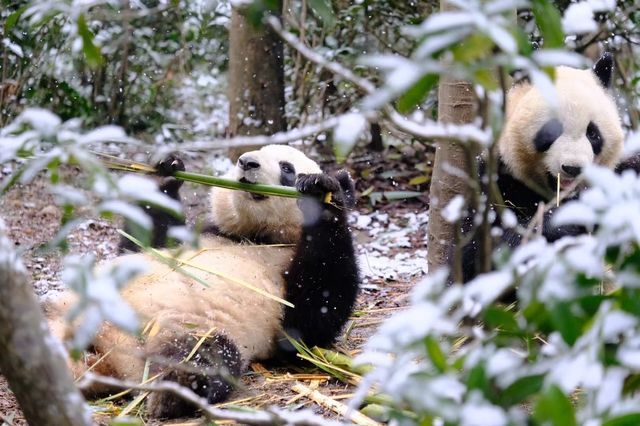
{"points": [[523, 178], [318, 275]]}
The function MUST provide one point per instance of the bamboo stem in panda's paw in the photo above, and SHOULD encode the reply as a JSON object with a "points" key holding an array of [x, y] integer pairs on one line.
{"points": [[558, 191]]}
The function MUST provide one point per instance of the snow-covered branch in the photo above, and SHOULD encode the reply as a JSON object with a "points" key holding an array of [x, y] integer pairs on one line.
{"points": [[429, 129], [277, 138], [267, 417]]}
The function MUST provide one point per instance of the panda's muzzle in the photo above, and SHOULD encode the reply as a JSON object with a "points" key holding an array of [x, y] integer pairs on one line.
{"points": [[254, 196], [567, 177], [246, 162]]}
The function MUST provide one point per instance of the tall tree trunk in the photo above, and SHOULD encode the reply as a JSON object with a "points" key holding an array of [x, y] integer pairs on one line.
{"points": [[456, 104], [30, 359], [256, 80]]}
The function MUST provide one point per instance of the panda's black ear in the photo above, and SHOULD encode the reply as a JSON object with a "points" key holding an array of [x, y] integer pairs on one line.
{"points": [[603, 69]]}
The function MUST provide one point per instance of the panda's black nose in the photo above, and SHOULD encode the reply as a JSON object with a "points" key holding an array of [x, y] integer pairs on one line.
{"points": [[246, 162], [572, 171]]}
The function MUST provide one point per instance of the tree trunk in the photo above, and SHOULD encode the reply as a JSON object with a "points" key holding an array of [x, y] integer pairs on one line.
{"points": [[30, 358], [256, 80], [456, 104]]}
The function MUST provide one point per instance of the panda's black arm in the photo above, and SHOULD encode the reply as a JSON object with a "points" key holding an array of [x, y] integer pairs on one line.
{"points": [[162, 220], [322, 280]]}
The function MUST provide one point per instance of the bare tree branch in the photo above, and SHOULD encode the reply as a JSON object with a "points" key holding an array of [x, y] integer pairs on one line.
{"points": [[268, 417]]}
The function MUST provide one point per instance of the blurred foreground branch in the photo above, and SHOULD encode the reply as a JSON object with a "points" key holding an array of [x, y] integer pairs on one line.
{"points": [[31, 359]]}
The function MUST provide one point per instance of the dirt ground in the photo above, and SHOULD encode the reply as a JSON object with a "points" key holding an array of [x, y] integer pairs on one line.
{"points": [[32, 218]]}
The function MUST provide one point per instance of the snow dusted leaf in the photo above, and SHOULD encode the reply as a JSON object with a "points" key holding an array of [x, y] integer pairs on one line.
{"points": [[548, 20], [575, 213], [324, 10], [502, 38], [345, 135], [13, 19], [104, 134], [602, 5], [509, 219], [182, 233], [131, 212], [87, 329], [98, 296], [485, 289], [454, 210], [545, 85], [478, 412], [554, 408], [557, 57], [440, 22], [416, 94], [610, 391], [632, 144], [578, 19], [503, 361], [91, 51], [41, 120], [142, 189], [16, 49]]}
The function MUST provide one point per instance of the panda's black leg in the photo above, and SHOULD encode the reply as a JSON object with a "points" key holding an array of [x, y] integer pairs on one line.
{"points": [[322, 280], [162, 221], [210, 372]]}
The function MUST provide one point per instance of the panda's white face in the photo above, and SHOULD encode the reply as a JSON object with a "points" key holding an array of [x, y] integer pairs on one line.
{"points": [[539, 143], [272, 165], [245, 214]]}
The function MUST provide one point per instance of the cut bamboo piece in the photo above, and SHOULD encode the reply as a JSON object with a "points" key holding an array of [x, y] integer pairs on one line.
{"points": [[337, 407]]}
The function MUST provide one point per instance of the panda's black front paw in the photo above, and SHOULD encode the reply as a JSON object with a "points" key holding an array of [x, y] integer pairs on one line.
{"points": [[166, 168], [169, 165], [319, 185]]}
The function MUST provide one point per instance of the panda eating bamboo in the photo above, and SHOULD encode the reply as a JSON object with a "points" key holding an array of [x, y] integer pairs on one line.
{"points": [[297, 250], [542, 148]]}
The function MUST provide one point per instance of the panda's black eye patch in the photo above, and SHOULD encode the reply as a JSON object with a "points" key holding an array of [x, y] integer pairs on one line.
{"points": [[547, 135], [595, 137], [287, 174]]}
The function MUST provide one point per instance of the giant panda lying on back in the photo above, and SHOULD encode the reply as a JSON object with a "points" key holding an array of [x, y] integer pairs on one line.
{"points": [[539, 143], [319, 275]]}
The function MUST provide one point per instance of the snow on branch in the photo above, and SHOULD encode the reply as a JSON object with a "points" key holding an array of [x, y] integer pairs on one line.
{"points": [[272, 416], [277, 138], [429, 129]]}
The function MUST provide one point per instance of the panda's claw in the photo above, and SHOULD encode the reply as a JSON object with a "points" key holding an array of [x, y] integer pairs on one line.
{"points": [[169, 165], [317, 184]]}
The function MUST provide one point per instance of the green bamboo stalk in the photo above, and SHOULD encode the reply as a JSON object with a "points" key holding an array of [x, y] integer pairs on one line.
{"points": [[258, 188]]}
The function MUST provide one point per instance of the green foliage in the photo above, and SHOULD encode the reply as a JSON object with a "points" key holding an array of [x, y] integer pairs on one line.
{"points": [[549, 23], [108, 63]]}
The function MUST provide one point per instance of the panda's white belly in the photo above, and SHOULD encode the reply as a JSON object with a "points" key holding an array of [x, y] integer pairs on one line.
{"points": [[251, 319]]}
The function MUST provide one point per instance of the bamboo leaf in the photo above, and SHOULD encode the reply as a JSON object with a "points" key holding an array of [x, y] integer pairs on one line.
{"points": [[549, 22], [91, 51], [12, 19], [324, 11], [417, 93], [554, 408]]}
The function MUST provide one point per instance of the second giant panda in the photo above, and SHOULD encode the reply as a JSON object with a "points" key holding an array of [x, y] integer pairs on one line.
{"points": [[298, 250], [540, 143]]}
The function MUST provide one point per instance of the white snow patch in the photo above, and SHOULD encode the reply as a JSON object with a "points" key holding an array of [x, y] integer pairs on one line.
{"points": [[453, 211], [578, 19]]}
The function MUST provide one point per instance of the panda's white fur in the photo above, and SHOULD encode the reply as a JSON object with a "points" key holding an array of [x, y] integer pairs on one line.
{"points": [[581, 98], [176, 306]]}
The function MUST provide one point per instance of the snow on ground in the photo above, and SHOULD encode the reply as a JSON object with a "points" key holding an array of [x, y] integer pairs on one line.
{"points": [[390, 251]]}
